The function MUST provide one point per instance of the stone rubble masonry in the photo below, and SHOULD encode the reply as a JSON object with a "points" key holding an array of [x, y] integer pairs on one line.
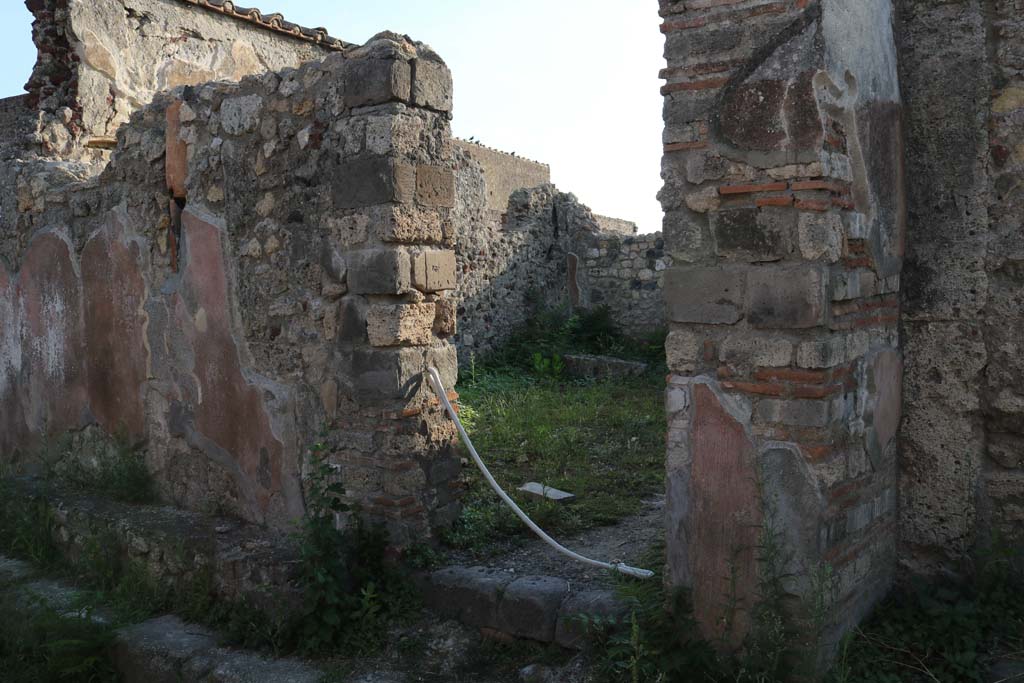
{"points": [[106, 59], [542, 248], [962, 471], [241, 281], [784, 222]]}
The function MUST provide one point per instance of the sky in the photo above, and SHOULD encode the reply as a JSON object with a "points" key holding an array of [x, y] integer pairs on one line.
{"points": [[572, 83]]}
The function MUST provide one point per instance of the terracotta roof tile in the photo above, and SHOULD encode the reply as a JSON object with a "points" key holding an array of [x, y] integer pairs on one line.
{"points": [[273, 22]]}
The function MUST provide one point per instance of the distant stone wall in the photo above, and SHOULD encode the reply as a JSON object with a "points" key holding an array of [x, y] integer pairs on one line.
{"points": [[100, 61], [626, 275], [504, 173], [543, 249], [962, 470], [616, 225], [262, 266]]}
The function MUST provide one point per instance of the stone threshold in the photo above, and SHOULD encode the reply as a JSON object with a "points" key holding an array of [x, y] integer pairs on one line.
{"points": [[259, 567], [161, 650], [539, 608]]}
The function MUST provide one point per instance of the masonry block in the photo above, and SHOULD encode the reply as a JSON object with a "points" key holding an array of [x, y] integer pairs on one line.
{"points": [[403, 324], [435, 186], [445, 318], [748, 351], [432, 85], [749, 234], [358, 183], [683, 350], [798, 413], [388, 373], [471, 595], [530, 606], [434, 270], [376, 81], [410, 224], [705, 294], [379, 271], [792, 297]]}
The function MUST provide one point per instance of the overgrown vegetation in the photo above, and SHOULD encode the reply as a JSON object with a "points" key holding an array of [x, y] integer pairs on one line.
{"points": [[52, 647], [942, 633], [551, 333], [532, 423], [352, 592]]}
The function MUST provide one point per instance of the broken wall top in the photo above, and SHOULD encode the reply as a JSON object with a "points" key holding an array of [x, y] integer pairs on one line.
{"points": [[100, 61]]}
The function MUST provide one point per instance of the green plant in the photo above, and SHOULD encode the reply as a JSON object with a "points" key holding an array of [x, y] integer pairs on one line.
{"points": [[548, 367], [593, 439], [351, 591], [942, 632], [551, 332], [658, 641], [46, 646], [27, 529]]}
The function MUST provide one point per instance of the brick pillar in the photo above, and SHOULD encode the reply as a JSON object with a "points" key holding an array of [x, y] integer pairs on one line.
{"points": [[784, 220]]}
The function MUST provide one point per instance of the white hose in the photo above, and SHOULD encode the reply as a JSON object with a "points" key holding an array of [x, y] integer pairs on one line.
{"points": [[435, 380]]}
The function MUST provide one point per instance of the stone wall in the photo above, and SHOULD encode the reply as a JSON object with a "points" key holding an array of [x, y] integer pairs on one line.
{"points": [[625, 274], [543, 248], [962, 475], [784, 221], [504, 173], [100, 61], [616, 225], [260, 267]]}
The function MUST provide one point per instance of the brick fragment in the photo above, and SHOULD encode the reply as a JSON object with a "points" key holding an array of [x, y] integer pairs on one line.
{"points": [[752, 188]]}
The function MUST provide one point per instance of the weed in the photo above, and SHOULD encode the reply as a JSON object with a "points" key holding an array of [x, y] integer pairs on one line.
{"points": [[550, 333], [45, 646], [27, 529], [940, 632], [351, 591], [658, 641]]}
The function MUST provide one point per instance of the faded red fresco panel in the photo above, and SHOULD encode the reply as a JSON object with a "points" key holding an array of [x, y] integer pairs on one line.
{"points": [[887, 399], [12, 424], [176, 158], [230, 411], [115, 329], [52, 390], [725, 521]]}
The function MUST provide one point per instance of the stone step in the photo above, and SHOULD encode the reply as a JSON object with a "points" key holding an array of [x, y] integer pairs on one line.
{"points": [[540, 608], [257, 566], [160, 650], [242, 562], [602, 367]]}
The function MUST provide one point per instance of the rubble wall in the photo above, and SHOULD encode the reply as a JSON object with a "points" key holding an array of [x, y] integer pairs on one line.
{"points": [[544, 249], [625, 273], [100, 61], [785, 224], [260, 272], [962, 452]]}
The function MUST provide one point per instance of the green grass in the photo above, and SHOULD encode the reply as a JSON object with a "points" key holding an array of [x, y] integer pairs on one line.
{"points": [[603, 441]]}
